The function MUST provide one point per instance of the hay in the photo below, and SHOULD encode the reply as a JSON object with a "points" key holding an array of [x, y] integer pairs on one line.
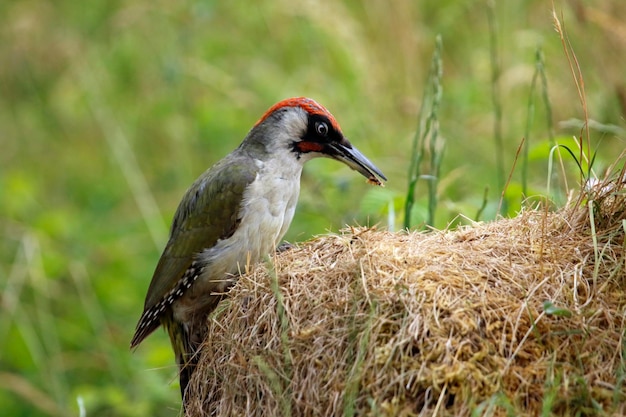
{"points": [[504, 317]]}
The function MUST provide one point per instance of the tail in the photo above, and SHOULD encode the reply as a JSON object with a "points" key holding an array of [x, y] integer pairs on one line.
{"points": [[186, 344]]}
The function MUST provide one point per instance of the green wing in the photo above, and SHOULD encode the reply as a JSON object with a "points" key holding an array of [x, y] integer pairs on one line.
{"points": [[209, 211]]}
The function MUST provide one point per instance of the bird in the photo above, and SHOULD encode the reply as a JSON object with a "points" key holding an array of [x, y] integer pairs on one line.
{"points": [[233, 215]]}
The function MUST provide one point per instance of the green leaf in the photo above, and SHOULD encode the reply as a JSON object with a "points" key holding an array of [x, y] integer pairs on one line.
{"points": [[552, 310]]}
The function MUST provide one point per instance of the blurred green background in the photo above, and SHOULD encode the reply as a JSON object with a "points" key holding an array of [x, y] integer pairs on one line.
{"points": [[110, 109]]}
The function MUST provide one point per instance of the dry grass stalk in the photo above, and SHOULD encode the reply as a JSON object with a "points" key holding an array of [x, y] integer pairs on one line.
{"points": [[376, 323]]}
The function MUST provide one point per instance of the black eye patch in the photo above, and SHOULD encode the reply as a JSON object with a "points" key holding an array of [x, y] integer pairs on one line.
{"points": [[321, 130]]}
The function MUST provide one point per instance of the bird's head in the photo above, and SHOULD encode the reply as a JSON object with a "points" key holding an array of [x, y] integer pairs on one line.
{"points": [[307, 130]]}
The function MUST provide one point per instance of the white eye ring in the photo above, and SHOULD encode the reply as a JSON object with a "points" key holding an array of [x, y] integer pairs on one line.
{"points": [[321, 128]]}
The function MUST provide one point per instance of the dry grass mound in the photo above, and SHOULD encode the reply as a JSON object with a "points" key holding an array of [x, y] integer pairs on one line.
{"points": [[520, 316]]}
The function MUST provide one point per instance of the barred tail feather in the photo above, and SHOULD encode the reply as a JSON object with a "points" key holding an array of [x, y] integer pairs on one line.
{"points": [[185, 350]]}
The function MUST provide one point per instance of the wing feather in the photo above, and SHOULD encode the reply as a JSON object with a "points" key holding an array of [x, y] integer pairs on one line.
{"points": [[209, 211]]}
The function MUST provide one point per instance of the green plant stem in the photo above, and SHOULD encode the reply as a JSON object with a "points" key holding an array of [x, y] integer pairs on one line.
{"points": [[427, 134], [495, 98]]}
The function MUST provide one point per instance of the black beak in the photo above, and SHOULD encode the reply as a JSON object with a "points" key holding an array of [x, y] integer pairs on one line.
{"points": [[344, 151]]}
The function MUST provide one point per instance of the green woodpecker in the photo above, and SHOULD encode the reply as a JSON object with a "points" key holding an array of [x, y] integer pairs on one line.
{"points": [[236, 213]]}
